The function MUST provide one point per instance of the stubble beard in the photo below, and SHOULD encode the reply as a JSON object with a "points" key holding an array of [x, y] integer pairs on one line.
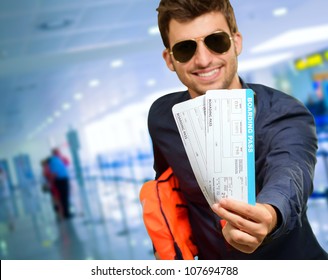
{"points": [[226, 83]]}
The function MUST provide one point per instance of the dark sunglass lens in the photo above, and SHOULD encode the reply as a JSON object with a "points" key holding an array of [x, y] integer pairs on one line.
{"points": [[218, 42], [184, 50]]}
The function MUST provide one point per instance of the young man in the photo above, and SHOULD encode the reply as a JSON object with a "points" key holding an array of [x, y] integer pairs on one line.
{"points": [[202, 45]]}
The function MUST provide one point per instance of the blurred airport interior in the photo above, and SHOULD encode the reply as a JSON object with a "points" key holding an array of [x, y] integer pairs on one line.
{"points": [[80, 75]]}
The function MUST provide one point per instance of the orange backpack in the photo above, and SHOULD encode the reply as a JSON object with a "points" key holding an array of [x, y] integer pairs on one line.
{"points": [[165, 215]]}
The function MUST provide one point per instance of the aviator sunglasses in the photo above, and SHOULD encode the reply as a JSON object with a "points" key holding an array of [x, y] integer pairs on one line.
{"points": [[218, 42]]}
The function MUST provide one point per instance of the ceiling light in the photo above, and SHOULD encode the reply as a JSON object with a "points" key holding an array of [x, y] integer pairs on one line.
{"points": [[94, 83], [153, 30], [279, 12], [78, 96], [116, 63], [293, 38], [262, 62], [151, 82], [66, 106]]}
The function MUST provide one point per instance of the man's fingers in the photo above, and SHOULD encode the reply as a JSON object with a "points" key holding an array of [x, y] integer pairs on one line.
{"points": [[239, 239], [240, 222], [243, 209]]}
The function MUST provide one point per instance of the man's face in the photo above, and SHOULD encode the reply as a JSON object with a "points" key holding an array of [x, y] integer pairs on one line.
{"points": [[206, 69]]}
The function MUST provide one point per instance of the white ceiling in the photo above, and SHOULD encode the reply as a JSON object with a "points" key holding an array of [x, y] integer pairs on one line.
{"points": [[51, 49]]}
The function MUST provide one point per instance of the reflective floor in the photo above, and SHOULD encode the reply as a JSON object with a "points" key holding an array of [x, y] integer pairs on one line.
{"points": [[107, 224]]}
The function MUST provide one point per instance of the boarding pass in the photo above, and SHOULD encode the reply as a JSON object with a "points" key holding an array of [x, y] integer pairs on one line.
{"points": [[217, 131]]}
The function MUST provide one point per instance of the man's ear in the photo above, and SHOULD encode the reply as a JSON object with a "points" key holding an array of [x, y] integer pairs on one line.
{"points": [[238, 41], [168, 59]]}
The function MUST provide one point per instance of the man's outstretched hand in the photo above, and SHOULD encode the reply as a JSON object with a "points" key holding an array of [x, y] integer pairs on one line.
{"points": [[247, 225]]}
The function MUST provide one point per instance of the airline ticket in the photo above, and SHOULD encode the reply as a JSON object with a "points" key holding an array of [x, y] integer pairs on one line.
{"points": [[217, 130], [190, 119]]}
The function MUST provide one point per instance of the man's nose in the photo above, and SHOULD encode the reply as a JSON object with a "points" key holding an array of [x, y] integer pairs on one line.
{"points": [[203, 56]]}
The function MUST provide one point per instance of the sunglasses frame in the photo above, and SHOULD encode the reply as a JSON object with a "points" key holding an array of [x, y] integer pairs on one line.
{"points": [[202, 38]]}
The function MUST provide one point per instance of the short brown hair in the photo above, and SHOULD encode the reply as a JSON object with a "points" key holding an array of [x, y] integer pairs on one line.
{"points": [[186, 10]]}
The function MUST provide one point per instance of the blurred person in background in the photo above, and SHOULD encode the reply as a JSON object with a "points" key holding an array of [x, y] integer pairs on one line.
{"points": [[58, 165], [49, 185]]}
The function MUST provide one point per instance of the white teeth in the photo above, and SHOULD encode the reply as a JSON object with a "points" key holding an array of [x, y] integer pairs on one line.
{"points": [[208, 74]]}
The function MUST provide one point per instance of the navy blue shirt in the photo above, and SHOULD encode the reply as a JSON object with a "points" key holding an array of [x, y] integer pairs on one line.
{"points": [[285, 156]]}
